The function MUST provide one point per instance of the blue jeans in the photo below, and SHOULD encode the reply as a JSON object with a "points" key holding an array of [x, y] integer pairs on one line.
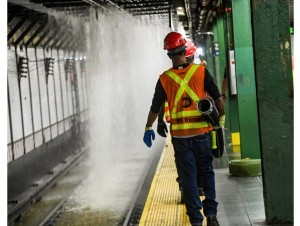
{"points": [[194, 155]]}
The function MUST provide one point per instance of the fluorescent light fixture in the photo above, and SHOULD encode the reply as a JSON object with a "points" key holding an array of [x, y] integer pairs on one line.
{"points": [[200, 51], [180, 11]]}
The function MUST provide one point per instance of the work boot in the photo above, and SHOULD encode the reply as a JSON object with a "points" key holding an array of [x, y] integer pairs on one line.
{"points": [[212, 221]]}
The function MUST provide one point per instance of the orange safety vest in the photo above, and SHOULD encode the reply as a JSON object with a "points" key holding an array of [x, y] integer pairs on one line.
{"points": [[167, 112], [184, 87]]}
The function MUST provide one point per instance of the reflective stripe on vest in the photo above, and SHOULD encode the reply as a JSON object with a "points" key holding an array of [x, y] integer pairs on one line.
{"points": [[189, 125], [167, 112], [186, 114]]}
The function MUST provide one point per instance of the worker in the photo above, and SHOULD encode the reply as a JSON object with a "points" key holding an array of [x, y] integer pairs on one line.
{"points": [[183, 85], [164, 111], [190, 52]]}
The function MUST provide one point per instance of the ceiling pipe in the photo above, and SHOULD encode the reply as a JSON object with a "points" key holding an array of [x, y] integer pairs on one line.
{"points": [[188, 14], [118, 7], [202, 18], [204, 3], [95, 4], [36, 7], [202, 12], [210, 13], [206, 10]]}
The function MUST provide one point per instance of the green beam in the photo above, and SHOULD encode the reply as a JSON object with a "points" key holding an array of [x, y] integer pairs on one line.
{"points": [[275, 107], [234, 114], [216, 58], [222, 51], [231, 106], [245, 79], [221, 39]]}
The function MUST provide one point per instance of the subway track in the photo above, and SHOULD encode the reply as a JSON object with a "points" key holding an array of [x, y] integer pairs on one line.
{"points": [[55, 204], [34, 206], [54, 215]]}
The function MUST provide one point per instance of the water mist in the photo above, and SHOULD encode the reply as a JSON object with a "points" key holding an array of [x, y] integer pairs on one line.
{"points": [[125, 58]]}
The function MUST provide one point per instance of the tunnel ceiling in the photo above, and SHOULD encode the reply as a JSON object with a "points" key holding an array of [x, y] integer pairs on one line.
{"points": [[30, 21]]}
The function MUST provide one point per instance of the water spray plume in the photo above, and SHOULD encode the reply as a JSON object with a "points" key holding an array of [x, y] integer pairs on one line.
{"points": [[124, 61]]}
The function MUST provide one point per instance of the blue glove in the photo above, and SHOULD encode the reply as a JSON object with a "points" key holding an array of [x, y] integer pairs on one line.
{"points": [[149, 135]]}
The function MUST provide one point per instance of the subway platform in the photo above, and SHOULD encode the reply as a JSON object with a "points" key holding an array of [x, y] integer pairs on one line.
{"points": [[240, 198]]}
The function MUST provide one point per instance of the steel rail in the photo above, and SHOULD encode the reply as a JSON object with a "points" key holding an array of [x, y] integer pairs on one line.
{"points": [[34, 196], [58, 207]]}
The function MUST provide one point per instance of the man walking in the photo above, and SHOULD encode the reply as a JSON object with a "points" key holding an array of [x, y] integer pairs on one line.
{"points": [[161, 125], [183, 85]]}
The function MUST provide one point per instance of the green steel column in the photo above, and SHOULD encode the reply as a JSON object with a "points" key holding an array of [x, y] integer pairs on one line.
{"points": [[275, 107], [222, 38], [216, 58], [225, 48], [245, 79], [221, 42], [231, 105]]}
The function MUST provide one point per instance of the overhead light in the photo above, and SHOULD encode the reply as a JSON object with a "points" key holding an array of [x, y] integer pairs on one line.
{"points": [[200, 51], [205, 33], [180, 11]]}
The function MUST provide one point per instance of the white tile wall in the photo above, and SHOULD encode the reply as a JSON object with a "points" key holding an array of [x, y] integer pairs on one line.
{"points": [[63, 84], [25, 97], [85, 89], [69, 94], [37, 121], [8, 127], [61, 100], [47, 134], [51, 94], [18, 149], [61, 129], [38, 138], [9, 153], [54, 131], [43, 88], [68, 123], [12, 79], [29, 143], [79, 82], [57, 80]]}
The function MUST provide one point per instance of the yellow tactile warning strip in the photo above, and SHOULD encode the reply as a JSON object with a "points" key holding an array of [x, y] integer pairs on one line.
{"points": [[163, 207]]}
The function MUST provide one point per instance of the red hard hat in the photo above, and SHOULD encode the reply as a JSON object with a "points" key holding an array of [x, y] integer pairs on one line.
{"points": [[190, 48], [173, 40]]}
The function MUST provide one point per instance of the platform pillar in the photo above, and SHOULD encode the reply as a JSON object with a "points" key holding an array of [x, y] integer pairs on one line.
{"points": [[245, 79], [272, 48]]}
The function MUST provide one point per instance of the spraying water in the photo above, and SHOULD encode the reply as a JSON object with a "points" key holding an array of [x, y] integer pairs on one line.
{"points": [[125, 58]]}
